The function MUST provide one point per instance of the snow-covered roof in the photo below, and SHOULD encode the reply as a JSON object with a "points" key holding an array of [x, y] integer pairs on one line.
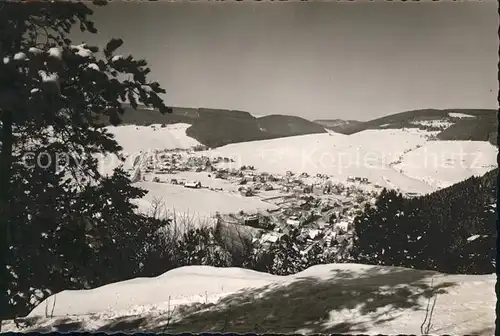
{"points": [[293, 222], [270, 237]]}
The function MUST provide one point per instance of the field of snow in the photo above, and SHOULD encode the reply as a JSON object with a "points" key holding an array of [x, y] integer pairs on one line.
{"points": [[136, 139], [403, 159], [346, 298], [206, 179], [376, 154], [444, 163], [366, 154], [460, 115], [202, 203], [142, 138]]}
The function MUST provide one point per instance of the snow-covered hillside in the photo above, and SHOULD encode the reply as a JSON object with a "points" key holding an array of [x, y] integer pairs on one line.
{"points": [[444, 163], [141, 139], [134, 139], [403, 159], [326, 298], [373, 154]]}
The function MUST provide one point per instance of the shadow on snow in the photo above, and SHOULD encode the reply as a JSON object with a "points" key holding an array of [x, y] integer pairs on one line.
{"points": [[307, 303]]}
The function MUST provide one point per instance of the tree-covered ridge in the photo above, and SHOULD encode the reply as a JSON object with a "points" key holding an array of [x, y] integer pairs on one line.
{"points": [[218, 127], [480, 126]]}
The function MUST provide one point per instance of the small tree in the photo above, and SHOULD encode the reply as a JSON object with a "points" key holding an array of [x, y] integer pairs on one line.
{"points": [[199, 247]]}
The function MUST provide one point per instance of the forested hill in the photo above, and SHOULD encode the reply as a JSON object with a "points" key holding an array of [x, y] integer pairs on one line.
{"points": [[466, 124], [451, 230], [217, 127]]}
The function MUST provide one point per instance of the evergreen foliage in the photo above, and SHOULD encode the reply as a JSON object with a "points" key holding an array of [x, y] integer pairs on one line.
{"points": [[63, 225], [451, 230]]}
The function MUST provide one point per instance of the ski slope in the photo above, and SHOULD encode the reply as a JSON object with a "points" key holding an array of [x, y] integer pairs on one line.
{"points": [[326, 298]]}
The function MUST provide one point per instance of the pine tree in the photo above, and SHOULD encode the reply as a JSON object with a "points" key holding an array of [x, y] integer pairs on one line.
{"points": [[56, 224], [451, 230]]}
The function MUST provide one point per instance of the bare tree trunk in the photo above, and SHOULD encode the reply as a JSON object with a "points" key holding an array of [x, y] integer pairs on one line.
{"points": [[5, 234]]}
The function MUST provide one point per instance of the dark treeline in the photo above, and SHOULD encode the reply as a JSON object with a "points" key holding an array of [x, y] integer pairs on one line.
{"points": [[451, 230]]}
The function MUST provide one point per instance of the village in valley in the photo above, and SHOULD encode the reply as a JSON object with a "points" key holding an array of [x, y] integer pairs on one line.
{"points": [[321, 208]]}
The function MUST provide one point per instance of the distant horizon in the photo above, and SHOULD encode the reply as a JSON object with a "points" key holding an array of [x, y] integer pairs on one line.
{"points": [[315, 60], [264, 115]]}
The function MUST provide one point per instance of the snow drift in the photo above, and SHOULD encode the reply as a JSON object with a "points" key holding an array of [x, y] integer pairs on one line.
{"points": [[326, 298]]}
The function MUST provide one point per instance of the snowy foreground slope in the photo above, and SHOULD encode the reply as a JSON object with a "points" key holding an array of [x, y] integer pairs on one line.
{"points": [[347, 298]]}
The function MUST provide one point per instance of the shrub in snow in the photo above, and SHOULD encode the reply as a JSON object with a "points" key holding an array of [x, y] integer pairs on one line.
{"points": [[199, 247], [285, 256]]}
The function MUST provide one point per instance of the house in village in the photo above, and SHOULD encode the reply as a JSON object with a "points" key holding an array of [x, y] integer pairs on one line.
{"points": [[347, 203], [329, 236], [251, 220], [267, 187], [271, 178], [268, 238], [320, 224], [221, 175], [298, 190], [193, 184], [250, 177], [293, 221], [246, 191], [357, 179], [343, 227]]}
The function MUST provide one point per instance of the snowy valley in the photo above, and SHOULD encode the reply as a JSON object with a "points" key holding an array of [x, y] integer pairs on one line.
{"points": [[316, 184], [244, 168]]}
